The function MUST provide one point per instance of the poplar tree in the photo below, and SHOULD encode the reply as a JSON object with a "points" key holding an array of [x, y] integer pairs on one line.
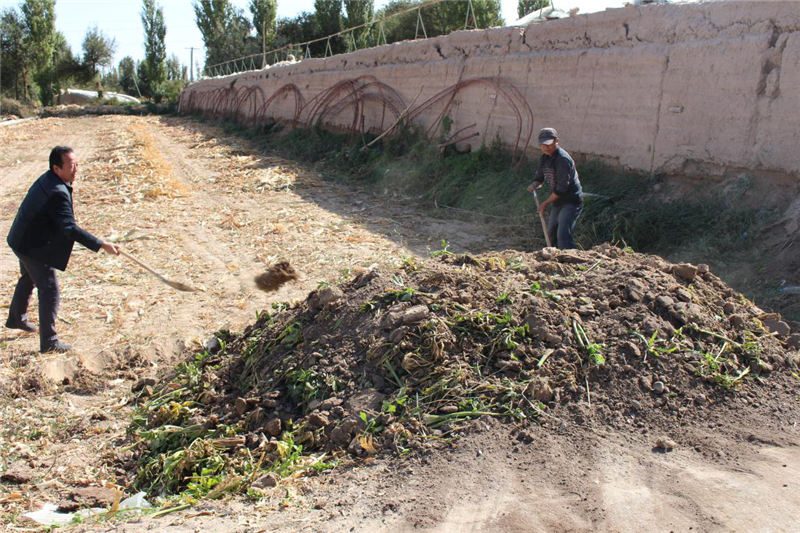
{"points": [[359, 12], [225, 30], [264, 15], [328, 14], [39, 41], [16, 64], [153, 70]]}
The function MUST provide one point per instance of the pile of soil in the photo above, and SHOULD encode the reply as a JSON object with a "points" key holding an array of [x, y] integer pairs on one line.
{"points": [[395, 361]]}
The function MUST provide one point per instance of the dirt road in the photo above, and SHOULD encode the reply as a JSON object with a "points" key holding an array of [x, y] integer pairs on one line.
{"points": [[204, 208]]}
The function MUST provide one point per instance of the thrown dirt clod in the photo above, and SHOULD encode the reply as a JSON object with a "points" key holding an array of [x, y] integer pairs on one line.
{"points": [[700, 400], [329, 295], [276, 276], [540, 390]]}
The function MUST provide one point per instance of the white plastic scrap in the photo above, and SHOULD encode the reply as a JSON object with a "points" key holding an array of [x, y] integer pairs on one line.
{"points": [[47, 515], [135, 503]]}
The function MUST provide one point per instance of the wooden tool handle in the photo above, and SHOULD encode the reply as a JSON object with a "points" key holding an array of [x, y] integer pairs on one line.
{"points": [[153, 272], [541, 219]]}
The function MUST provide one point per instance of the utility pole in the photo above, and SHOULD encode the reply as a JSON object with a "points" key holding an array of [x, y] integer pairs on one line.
{"points": [[55, 70], [191, 62], [135, 83]]}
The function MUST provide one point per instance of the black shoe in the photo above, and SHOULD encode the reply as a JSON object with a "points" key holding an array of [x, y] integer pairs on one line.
{"points": [[57, 347], [24, 325]]}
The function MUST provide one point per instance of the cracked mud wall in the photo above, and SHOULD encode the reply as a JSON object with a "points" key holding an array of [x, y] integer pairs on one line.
{"points": [[696, 89]]}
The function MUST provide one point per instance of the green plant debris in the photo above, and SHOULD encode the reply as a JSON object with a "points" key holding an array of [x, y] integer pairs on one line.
{"points": [[411, 359], [653, 345], [593, 351]]}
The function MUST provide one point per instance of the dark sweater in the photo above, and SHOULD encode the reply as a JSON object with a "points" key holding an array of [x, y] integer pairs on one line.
{"points": [[559, 172]]}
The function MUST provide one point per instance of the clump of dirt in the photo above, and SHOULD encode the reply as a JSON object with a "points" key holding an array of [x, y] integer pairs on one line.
{"points": [[276, 276], [395, 361]]}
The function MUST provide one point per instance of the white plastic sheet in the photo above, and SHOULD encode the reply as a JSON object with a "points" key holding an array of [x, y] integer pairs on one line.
{"points": [[47, 515]]}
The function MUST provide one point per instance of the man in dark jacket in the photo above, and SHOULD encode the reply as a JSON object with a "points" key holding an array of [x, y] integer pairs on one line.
{"points": [[557, 168], [42, 237]]}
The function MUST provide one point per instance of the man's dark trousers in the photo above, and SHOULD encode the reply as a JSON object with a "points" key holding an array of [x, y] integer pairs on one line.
{"points": [[561, 224], [36, 274]]}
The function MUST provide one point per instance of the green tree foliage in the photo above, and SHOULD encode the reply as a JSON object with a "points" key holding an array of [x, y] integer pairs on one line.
{"points": [[15, 63], [438, 19], [39, 41], [174, 68], [153, 70], [127, 73], [329, 17], [300, 29], [40, 25], [19, 75], [225, 30], [67, 67], [110, 81], [529, 6], [264, 15], [98, 50], [359, 12]]}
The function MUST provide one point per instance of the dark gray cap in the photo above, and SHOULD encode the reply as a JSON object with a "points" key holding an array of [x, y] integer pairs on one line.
{"points": [[547, 135]]}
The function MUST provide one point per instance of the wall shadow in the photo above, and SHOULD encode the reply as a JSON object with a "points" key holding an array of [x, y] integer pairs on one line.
{"points": [[415, 224]]}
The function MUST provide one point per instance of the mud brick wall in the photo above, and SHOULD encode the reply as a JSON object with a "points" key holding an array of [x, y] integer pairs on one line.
{"points": [[698, 89]]}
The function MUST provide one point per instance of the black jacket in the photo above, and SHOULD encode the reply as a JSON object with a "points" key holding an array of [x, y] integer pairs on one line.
{"points": [[45, 228]]}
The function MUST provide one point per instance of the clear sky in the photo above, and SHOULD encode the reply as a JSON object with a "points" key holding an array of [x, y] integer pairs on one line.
{"points": [[120, 19]]}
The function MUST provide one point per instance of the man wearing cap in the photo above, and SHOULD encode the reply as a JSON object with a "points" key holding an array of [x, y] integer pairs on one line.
{"points": [[557, 168], [42, 236]]}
